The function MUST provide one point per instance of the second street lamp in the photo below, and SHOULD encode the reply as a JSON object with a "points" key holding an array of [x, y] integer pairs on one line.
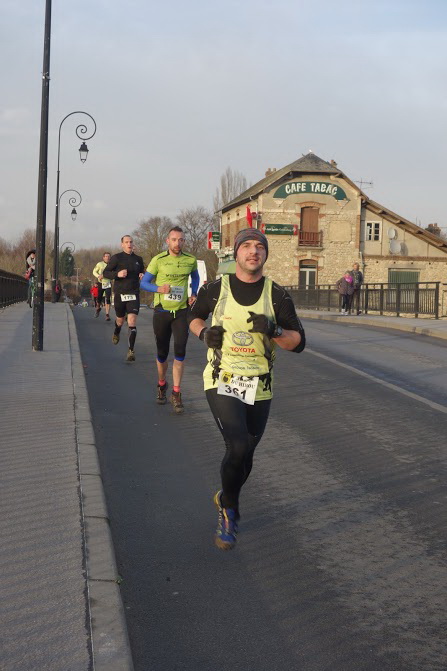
{"points": [[81, 132]]}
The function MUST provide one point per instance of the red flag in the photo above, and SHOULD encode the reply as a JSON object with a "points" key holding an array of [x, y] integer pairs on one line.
{"points": [[249, 218]]}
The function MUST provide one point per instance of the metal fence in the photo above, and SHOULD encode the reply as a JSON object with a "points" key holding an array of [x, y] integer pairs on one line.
{"points": [[418, 298], [13, 288]]}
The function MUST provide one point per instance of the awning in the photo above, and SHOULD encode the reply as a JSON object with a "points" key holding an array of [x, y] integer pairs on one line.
{"points": [[226, 267]]}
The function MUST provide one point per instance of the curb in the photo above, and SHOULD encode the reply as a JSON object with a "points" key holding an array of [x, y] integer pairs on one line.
{"points": [[363, 320], [110, 640]]}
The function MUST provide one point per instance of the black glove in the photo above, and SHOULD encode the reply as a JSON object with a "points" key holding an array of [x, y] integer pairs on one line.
{"points": [[261, 324], [213, 336]]}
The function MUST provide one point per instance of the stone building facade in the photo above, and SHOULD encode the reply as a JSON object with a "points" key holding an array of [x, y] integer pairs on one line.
{"points": [[318, 223]]}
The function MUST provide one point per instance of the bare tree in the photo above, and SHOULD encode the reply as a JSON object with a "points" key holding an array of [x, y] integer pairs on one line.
{"points": [[196, 223], [150, 236], [232, 184]]}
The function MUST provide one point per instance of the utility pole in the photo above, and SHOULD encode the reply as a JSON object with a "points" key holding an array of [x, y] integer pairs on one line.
{"points": [[38, 310], [77, 278]]}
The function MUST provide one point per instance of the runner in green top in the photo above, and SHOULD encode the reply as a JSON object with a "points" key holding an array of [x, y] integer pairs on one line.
{"points": [[167, 276]]}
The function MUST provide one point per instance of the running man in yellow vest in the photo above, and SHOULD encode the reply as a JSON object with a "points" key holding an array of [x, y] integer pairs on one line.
{"points": [[250, 316], [104, 286]]}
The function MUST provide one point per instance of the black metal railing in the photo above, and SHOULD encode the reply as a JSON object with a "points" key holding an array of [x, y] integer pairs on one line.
{"points": [[13, 288], [418, 298]]}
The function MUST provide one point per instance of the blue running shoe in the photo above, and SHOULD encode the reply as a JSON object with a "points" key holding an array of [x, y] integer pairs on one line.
{"points": [[226, 532]]}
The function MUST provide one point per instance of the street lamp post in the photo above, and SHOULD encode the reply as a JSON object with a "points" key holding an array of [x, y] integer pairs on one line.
{"points": [[38, 310], [74, 202], [81, 132]]}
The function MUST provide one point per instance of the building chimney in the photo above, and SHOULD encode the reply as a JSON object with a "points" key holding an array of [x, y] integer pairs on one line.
{"points": [[434, 228], [270, 171], [333, 163]]}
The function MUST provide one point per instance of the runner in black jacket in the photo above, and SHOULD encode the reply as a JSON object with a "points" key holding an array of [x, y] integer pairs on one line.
{"points": [[126, 269]]}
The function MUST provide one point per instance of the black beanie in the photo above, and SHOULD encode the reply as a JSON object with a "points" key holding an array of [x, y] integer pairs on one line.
{"points": [[250, 234]]}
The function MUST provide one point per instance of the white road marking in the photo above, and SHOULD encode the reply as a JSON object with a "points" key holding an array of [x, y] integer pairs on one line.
{"points": [[388, 385]]}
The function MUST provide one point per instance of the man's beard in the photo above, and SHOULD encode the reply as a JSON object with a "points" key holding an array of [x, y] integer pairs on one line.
{"points": [[250, 269]]}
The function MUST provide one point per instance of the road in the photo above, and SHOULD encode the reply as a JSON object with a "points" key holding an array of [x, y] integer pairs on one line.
{"points": [[341, 557]]}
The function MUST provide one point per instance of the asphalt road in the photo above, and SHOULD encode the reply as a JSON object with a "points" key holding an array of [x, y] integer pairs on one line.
{"points": [[341, 557]]}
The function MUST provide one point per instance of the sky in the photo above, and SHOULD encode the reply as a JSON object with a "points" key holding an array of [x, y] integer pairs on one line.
{"points": [[182, 90]]}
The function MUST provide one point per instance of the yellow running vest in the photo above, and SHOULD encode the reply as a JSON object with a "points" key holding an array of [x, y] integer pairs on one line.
{"points": [[242, 353]]}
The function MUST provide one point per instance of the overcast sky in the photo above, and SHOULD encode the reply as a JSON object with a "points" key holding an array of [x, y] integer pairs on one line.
{"points": [[181, 90]]}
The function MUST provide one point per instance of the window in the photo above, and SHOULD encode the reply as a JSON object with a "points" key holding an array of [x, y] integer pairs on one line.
{"points": [[308, 274], [372, 230], [403, 276], [309, 234], [309, 219]]}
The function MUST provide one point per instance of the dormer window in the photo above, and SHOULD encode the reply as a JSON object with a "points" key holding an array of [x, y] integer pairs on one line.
{"points": [[372, 230]]}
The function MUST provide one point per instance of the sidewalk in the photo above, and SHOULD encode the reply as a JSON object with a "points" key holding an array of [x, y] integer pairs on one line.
{"points": [[61, 607], [436, 328]]}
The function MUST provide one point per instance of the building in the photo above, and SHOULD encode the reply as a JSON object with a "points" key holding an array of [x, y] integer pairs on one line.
{"points": [[319, 223]]}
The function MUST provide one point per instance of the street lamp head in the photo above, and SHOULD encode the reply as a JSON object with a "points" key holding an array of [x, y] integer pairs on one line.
{"points": [[83, 152], [74, 214]]}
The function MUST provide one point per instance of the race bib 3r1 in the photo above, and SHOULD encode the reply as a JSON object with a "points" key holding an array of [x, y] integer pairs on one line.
{"points": [[238, 386]]}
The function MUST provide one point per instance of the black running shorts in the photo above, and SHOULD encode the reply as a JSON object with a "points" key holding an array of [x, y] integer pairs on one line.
{"points": [[129, 307], [104, 295]]}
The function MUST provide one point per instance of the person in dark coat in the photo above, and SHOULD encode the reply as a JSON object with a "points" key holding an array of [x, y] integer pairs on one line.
{"points": [[357, 281], [345, 286]]}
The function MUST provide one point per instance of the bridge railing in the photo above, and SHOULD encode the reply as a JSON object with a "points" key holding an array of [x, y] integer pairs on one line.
{"points": [[13, 288], [416, 298]]}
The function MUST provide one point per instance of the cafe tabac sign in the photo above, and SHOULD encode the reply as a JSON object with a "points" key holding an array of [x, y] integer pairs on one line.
{"points": [[321, 188]]}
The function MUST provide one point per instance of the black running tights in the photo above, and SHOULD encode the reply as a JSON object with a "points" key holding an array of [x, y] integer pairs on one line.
{"points": [[241, 426]]}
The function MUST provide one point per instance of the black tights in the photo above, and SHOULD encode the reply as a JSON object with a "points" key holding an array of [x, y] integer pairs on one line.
{"points": [[241, 426]]}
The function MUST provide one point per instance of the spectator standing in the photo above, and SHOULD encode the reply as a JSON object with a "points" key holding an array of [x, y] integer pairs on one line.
{"points": [[357, 281], [345, 287], [30, 271], [58, 290]]}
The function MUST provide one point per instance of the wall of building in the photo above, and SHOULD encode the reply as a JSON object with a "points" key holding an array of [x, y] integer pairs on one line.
{"points": [[376, 269]]}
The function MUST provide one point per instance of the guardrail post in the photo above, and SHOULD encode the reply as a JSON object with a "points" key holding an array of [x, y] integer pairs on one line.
{"points": [[443, 300], [416, 301], [437, 300]]}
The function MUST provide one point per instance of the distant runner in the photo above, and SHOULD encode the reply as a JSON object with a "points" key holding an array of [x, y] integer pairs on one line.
{"points": [[94, 291], [250, 316], [126, 268], [167, 276], [104, 285]]}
